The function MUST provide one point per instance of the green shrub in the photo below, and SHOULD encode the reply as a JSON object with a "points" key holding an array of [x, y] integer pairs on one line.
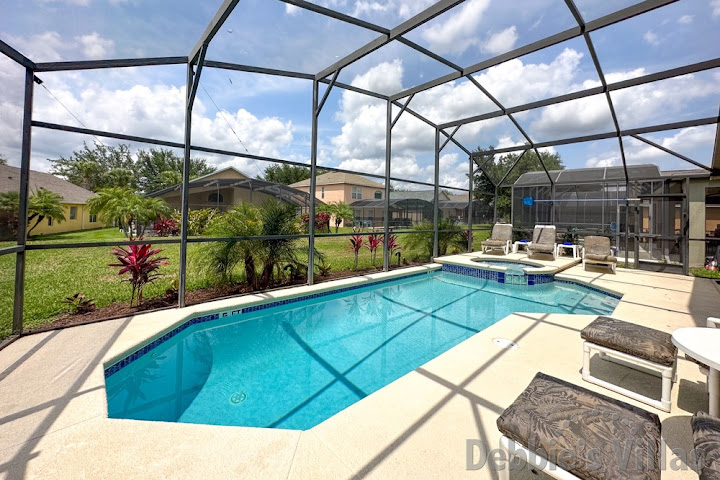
{"points": [[705, 273]]}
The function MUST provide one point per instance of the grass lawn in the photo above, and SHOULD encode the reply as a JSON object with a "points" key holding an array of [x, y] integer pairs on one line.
{"points": [[53, 275]]}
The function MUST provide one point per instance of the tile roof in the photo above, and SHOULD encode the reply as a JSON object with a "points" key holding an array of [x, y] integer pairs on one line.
{"points": [[71, 193]]}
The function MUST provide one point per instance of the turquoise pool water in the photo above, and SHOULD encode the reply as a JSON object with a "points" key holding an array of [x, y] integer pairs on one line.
{"points": [[295, 365]]}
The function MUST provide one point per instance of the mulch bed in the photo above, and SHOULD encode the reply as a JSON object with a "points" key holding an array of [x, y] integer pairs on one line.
{"points": [[194, 297]]}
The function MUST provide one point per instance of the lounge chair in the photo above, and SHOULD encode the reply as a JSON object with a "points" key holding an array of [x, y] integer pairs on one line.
{"points": [[706, 437], [633, 346], [543, 240], [597, 252], [571, 432], [501, 238]]}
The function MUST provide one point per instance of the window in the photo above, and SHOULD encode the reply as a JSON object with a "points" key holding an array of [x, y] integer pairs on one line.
{"points": [[322, 192], [356, 193], [73, 213], [215, 198], [378, 195], [93, 218], [49, 221]]}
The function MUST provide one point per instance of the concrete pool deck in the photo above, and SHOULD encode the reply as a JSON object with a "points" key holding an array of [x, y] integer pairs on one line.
{"points": [[54, 419]]}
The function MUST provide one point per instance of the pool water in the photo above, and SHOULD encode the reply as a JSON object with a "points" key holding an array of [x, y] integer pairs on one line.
{"points": [[295, 365]]}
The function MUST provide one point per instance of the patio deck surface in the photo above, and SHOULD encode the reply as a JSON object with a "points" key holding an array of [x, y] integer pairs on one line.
{"points": [[54, 421]]}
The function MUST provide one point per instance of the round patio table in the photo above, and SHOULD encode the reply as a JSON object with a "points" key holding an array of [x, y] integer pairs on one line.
{"points": [[703, 344]]}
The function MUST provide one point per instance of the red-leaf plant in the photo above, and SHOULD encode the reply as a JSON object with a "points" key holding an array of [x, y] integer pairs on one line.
{"points": [[373, 243], [356, 243], [165, 227], [142, 263]]}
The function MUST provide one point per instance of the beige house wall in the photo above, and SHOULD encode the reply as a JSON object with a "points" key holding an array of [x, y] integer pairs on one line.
{"points": [[81, 222], [698, 221], [199, 198]]}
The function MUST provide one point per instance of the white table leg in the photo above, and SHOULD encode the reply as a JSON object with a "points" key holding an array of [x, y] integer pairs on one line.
{"points": [[714, 392]]}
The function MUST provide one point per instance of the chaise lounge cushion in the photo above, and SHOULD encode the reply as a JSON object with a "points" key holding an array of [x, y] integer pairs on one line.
{"points": [[586, 433], [494, 243], [706, 435], [636, 340], [600, 258], [542, 248], [501, 234]]}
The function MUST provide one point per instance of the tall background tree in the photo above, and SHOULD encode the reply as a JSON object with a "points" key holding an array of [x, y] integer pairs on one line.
{"points": [[3, 159], [495, 168], [287, 174], [161, 168], [97, 167]]}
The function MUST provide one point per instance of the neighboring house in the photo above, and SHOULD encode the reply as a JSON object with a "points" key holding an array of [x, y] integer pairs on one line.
{"points": [[350, 188], [228, 187], [77, 213]]}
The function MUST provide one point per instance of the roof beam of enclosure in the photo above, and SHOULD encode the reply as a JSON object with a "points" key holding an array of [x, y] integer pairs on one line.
{"points": [[337, 15], [620, 15], [217, 151], [117, 63], [215, 24], [16, 56], [426, 15], [591, 48], [633, 82], [671, 152]]}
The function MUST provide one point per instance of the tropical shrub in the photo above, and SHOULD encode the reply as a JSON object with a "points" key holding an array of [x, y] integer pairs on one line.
{"points": [[374, 242], [340, 211], [80, 303], [142, 263], [42, 204], [394, 246], [166, 227], [278, 218], [322, 221], [356, 243], [198, 220], [125, 208], [450, 231]]}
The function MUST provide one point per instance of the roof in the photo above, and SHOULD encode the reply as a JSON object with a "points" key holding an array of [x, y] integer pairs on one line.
{"points": [[283, 192], [427, 195], [71, 193], [589, 175], [334, 178]]}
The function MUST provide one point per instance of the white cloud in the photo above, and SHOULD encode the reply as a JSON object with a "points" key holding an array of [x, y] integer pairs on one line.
{"points": [[95, 47], [715, 5], [41, 47], [458, 32], [651, 38], [292, 9], [501, 42], [686, 19]]}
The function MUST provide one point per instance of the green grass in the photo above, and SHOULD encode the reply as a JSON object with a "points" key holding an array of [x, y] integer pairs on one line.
{"points": [[53, 275]]}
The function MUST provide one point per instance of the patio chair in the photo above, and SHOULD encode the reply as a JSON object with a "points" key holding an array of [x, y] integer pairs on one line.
{"points": [[566, 431], [634, 346], [543, 240], [501, 238], [706, 437], [597, 252]]}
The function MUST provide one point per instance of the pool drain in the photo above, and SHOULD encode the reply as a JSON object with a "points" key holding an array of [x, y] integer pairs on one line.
{"points": [[238, 398], [505, 343]]}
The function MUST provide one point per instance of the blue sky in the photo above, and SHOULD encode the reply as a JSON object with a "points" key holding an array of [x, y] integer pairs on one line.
{"points": [[271, 115]]}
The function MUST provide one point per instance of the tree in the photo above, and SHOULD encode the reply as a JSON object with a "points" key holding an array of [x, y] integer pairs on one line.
{"points": [[123, 207], [340, 211], [45, 204], [98, 167], [3, 159], [494, 169], [287, 174], [160, 168]]}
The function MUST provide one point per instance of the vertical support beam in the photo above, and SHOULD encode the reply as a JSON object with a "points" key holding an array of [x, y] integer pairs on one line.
{"points": [[313, 183], [495, 219], [685, 227], [388, 150], [471, 177], [436, 207], [185, 187], [19, 298]]}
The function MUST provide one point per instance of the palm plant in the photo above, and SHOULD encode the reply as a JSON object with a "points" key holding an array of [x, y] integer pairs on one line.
{"points": [[123, 207], [45, 203], [341, 211], [449, 230], [218, 259], [278, 218]]}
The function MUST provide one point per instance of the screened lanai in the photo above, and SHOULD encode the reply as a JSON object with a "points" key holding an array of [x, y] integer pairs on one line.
{"points": [[420, 95]]}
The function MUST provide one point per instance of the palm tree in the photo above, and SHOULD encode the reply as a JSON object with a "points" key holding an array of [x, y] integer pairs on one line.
{"points": [[45, 203], [341, 211], [122, 206], [278, 218]]}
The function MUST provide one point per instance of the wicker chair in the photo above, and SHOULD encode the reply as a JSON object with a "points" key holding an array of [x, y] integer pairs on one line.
{"points": [[543, 240], [597, 252], [501, 238]]}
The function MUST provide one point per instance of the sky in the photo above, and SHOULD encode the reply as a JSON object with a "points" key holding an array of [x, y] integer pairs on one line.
{"points": [[271, 116]]}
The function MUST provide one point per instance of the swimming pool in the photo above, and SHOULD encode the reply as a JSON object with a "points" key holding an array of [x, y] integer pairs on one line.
{"points": [[295, 365]]}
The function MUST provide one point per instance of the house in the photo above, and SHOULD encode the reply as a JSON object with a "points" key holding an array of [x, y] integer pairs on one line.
{"points": [[74, 200], [227, 187]]}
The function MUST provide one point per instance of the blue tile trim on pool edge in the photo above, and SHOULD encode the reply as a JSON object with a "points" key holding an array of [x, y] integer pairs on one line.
{"points": [[533, 278], [116, 367]]}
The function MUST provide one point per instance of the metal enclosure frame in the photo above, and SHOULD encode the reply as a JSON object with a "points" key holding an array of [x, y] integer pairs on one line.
{"points": [[195, 61]]}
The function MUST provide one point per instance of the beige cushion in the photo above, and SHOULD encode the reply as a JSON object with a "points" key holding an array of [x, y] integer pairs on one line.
{"points": [[600, 258], [541, 247], [706, 435], [494, 243], [636, 340]]}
